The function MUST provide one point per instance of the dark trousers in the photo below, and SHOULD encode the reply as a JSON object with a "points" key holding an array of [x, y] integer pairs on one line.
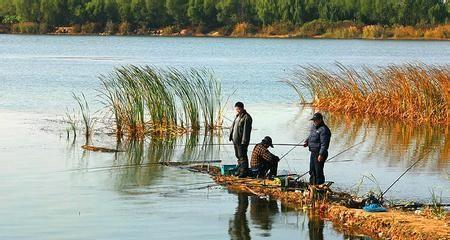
{"points": [[240, 151], [316, 168], [265, 167]]}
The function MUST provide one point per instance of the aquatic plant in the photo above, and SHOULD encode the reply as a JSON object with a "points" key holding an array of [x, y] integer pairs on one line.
{"points": [[375, 190], [436, 208], [162, 101], [87, 119], [72, 124], [414, 92]]}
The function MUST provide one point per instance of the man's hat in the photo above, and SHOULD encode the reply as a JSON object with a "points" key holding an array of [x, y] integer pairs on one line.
{"points": [[317, 116], [267, 140]]}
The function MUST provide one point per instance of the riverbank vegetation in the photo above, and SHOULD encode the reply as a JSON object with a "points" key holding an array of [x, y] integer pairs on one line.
{"points": [[149, 100], [396, 19], [414, 93]]}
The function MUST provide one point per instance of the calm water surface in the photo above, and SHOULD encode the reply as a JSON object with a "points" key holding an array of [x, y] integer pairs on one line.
{"points": [[51, 189]]}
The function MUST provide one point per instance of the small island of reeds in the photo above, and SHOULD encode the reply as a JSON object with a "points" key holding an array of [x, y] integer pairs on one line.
{"points": [[414, 93], [144, 100]]}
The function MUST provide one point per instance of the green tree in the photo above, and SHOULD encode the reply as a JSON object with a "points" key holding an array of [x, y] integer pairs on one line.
{"points": [[177, 9], [267, 11]]}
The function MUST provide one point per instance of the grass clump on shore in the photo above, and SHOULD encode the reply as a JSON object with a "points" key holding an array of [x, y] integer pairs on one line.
{"points": [[153, 100], [415, 93]]}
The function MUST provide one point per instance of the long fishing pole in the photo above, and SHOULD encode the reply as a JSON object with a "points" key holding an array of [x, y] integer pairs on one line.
{"points": [[138, 165], [231, 144], [290, 150], [407, 170], [331, 158]]}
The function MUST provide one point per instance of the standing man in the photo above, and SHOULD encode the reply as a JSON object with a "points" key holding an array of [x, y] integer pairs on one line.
{"points": [[240, 135], [318, 142]]}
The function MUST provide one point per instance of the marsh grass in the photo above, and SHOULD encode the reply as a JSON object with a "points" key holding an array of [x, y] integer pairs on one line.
{"points": [[71, 121], [415, 92], [149, 100], [375, 190], [87, 119], [436, 208]]}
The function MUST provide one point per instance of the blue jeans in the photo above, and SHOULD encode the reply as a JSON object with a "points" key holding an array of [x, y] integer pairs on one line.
{"points": [[316, 168]]}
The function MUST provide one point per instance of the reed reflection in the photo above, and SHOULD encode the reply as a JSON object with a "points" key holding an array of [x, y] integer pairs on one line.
{"points": [[144, 160], [389, 141]]}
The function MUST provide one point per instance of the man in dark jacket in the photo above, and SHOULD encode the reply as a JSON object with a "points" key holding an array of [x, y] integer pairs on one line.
{"points": [[264, 163], [240, 135], [318, 142]]}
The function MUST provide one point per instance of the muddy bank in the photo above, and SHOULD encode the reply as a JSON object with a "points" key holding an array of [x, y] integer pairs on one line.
{"points": [[330, 205], [388, 225]]}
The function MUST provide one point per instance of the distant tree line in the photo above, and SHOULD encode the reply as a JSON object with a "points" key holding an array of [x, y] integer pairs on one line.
{"points": [[222, 13]]}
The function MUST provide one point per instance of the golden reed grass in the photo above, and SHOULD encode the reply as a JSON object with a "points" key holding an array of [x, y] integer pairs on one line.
{"points": [[414, 92]]}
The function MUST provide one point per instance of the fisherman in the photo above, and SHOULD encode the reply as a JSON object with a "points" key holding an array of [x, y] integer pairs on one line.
{"points": [[263, 162], [318, 142], [240, 135]]}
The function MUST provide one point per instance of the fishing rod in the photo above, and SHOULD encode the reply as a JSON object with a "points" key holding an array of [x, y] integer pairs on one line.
{"points": [[331, 158], [231, 144], [138, 165], [407, 170], [290, 150]]}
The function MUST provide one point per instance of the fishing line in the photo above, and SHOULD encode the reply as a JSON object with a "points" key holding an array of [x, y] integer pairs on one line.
{"points": [[290, 150], [407, 170], [331, 158]]}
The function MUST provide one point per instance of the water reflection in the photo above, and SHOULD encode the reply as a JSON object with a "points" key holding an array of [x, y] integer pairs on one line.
{"points": [[262, 212], [393, 140], [144, 158], [315, 227], [238, 225], [390, 141]]}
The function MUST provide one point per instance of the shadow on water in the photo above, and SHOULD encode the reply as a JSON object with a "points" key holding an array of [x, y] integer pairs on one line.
{"points": [[261, 213]]}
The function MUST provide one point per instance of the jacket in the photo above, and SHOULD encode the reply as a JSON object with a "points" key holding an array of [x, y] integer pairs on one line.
{"points": [[319, 139], [261, 154], [243, 124]]}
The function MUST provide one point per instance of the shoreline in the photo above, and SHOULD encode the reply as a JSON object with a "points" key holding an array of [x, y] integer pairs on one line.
{"points": [[281, 37], [393, 224], [316, 29]]}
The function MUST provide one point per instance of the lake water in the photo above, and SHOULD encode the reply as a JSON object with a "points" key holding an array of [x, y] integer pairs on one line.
{"points": [[51, 189]]}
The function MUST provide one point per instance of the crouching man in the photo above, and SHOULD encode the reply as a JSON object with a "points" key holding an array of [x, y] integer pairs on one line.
{"points": [[264, 163]]}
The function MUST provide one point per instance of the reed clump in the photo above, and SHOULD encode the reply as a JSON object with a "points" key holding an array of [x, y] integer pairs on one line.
{"points": [[150, 100], [438, 32], [373, 32], [414, 92], [243, 29]]}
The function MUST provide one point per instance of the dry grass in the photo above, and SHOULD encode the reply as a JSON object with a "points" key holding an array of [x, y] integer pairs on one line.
{"points": [[438, 32], [407, 32], [373, 32], [243, 29], [415, 93]]}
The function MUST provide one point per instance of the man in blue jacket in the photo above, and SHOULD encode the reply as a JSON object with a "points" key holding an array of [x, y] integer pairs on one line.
{"points": [[318, 142]]}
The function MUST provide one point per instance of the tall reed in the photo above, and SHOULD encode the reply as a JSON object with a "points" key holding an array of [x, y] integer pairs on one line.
{"points": [[156, 100], [87, 119], [412, 92], [72, 124]]}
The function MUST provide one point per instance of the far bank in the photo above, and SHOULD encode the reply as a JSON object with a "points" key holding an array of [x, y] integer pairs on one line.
{"points": [[320, 29]]}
